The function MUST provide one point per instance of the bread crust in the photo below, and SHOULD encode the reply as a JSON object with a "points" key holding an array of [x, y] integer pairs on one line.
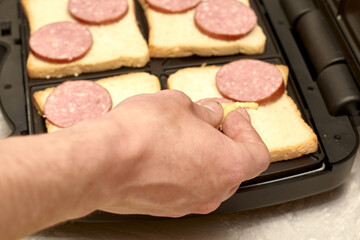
{"points": [[279, 123], [176, 35], [115, 45], [119, 87]]}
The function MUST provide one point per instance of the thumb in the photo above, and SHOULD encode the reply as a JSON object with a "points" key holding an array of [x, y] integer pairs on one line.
{"points": [[238, 127], [210, 112]]}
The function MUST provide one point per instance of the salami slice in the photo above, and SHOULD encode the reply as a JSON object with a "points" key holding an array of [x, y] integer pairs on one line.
{"points": [[172, 6], [98, 11], [224, 19], [61, 42], [250, 81], [74, 101]]}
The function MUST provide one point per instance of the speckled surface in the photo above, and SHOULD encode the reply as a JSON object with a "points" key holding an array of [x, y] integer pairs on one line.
{"points": [[330, 215]]}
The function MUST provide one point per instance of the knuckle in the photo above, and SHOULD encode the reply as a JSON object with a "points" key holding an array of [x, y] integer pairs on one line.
{"points": [[238, 171], [234, 178], [177, 215], [208, 207], [264, 159], [178, 97], [178, 94]]}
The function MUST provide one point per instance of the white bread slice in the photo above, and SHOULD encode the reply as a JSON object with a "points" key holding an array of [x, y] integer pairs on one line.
{"points": [[175, 35], [119, 87], [278, 123], [114, 45]]}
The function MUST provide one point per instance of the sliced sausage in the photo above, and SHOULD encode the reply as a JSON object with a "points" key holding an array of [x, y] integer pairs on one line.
{"points": [[75, 101], [61, 42], [250, 81], [224, 19], [98, 11], [172, 6]]}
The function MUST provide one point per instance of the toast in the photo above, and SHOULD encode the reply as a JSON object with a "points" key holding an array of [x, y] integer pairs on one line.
{"points": [[114, 45], [278, 123], [119, 87], [175, 35]]}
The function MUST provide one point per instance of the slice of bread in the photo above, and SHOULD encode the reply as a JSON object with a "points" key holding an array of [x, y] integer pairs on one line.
{"points": [[119, 87], [114, 45], [175, 35], [278, 123]]}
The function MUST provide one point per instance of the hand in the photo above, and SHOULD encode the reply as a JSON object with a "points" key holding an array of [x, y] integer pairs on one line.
{"points": [[177, 161], [157, 154]]}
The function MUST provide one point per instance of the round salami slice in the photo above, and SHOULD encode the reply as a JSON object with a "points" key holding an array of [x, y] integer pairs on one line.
{"points": [[61, 42], [74, 101], [250, 81], [172, 6], [98, 11], [224, 19]]}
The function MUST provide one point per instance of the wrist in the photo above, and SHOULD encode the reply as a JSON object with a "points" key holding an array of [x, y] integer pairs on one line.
{"points": [[76, 170], [103, 161]]}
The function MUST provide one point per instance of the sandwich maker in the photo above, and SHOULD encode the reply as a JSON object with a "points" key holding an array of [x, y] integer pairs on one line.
{"points": [[319, 40]]}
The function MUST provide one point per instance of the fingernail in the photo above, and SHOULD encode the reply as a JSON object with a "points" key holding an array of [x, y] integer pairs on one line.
{"points": [[212, 105], [244, 113]]}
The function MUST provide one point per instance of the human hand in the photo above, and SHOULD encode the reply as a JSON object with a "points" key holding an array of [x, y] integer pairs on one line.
{"points": [[177, 162], [158, 154]]}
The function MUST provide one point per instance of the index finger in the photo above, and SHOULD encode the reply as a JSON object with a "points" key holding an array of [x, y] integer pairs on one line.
{"points": [[210, 112]]}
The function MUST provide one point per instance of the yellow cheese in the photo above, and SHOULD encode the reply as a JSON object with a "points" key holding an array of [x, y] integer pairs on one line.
{"points": [[229, 107]]}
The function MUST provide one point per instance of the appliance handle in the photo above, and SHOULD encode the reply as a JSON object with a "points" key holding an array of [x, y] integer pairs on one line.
{"points": [[12, 90], [6, 126]]}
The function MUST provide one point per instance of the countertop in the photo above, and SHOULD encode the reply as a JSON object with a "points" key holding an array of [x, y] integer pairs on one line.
{"points": [[330, 215]]}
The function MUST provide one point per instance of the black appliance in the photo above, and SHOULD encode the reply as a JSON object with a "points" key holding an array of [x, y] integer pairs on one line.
{"points": [[318, 39]]}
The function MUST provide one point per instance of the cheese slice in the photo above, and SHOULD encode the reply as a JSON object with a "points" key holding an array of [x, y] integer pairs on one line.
{"points": [[229, 107]]}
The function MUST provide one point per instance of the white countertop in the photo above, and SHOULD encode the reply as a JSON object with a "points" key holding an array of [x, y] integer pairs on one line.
{"points": [[330, 215]]}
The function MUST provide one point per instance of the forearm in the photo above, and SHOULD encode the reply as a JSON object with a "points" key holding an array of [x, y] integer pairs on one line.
{"points": [[47, 179]]}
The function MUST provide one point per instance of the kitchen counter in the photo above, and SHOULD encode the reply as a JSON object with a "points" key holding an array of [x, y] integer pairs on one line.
{"points": [[330, 215]]}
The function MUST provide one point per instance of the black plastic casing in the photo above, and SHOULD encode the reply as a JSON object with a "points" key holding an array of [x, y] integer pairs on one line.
{"points": [[322, 83]]}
